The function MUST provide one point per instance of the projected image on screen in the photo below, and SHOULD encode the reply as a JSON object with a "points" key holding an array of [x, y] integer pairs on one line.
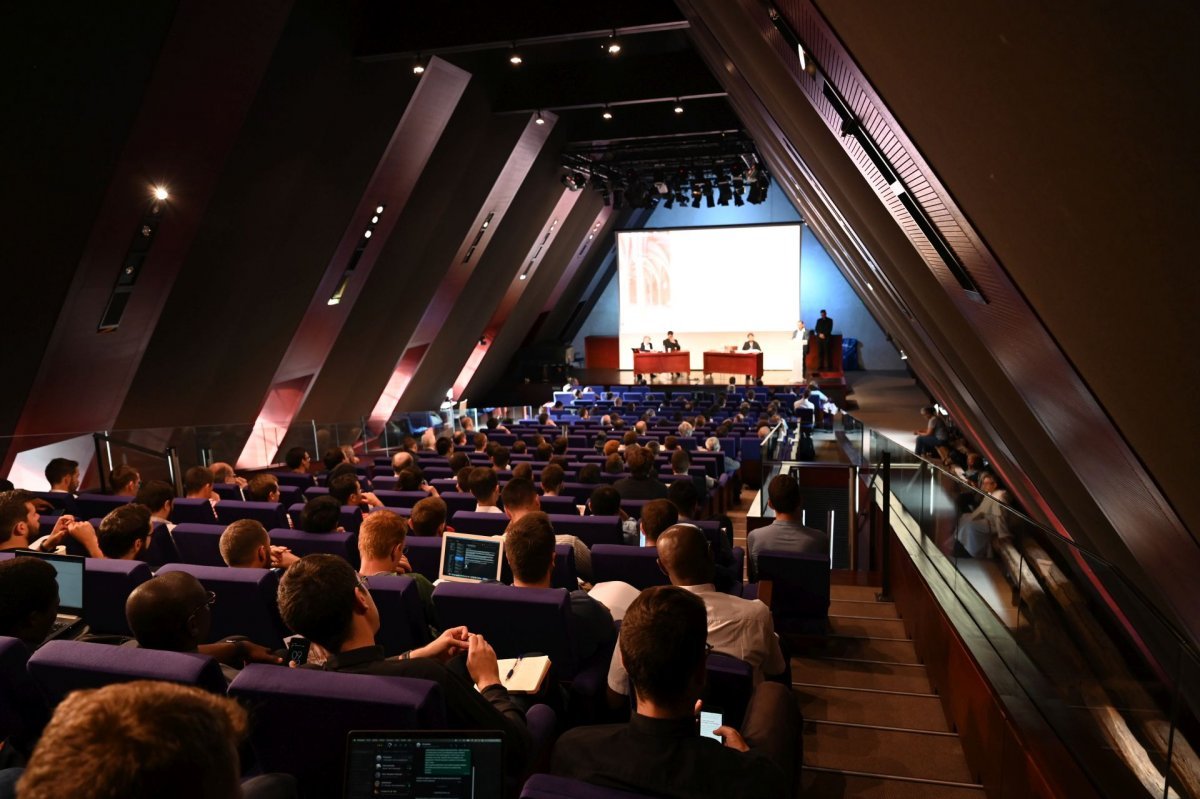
{"points": [[711, 286]]}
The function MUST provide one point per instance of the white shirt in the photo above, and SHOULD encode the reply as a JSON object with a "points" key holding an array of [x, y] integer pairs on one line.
{"points": [[487, 508], [742, 628]]}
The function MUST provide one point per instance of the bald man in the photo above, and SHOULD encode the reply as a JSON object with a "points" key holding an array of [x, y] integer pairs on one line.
{"points": [[738, 627]]}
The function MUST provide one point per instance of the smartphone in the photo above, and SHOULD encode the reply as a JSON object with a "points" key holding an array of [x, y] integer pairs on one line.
{"points": [[710, 719], [298, 650]]}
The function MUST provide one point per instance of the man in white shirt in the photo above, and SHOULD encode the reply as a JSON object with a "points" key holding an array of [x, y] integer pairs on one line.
{"points": [[741, 628], [486, 488]]}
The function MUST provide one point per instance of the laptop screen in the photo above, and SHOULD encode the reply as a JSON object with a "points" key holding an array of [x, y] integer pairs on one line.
{"points": [[70, 578], [412, 765], [471, 558]]}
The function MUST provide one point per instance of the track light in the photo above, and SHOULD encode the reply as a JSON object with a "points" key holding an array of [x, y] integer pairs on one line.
{"points": [[614, 44], [678, 106], [514, 57], [607, 114], [418, 65], [539, 119]]}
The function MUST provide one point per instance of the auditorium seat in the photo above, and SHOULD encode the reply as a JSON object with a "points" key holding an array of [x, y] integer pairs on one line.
{"points": [[799, 596], [400, 499], [245, 602], [302, 717], [560, 505], [302, 543], [229, 491], [199, 544], [479, 523], [106, 585], [402, 623], [591, 530], [424, 554], [547, 786], [637, 566], [23, 710], [456, 501], [60, 667], [269, 514], [194, 511], [729, 684], [89, 505], [162, 549]]}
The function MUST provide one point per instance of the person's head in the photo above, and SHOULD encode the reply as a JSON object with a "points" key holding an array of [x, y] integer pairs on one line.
{"points": [[519, 497], [763, 432], [428, 517], [28, 599], [605, 501], [671, 334], [484, 485], [408, 444], [297, 459], [332, 457], [680, 461], [198, 483], [645, 339], [458, 461], [500, 457], [749, 337], [823, 313], [552, 479], [444, 446], [543, 418], [124, 533], [629, 439], [381, 540], [543, 452], [800, 325], [560, 445], [125, 481], [171, 612], [529, 547], [683, 495], [588, 473], [639, 428], [19, 519], [712, 444], [928, 412], [670, 443], [783, 494], [519, 447], [685, 429], [401, 461], [640, 462], [462, 479], [657, 515], [245, 544], [410, 479], [663, 638], [263, 487], [345, 489], [321, 598], [613, 464], [139, 740], [63, 474], [468, 424], [988, 482], [612, 446], [321, 515], [222, 472], [157, 496], [523, 471], [460, 439], [685, 555], [339, 470]]}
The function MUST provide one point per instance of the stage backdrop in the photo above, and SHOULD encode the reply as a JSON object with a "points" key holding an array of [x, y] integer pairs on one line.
{"points": [[711, 286]]}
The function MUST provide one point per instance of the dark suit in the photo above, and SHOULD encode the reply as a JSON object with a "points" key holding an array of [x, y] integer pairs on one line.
{"points": [[670, 346], [824, 330], [751, 345], [647, 346]]}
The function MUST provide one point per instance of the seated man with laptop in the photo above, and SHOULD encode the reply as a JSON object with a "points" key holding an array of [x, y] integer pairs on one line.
{"points": [[322, 599]]}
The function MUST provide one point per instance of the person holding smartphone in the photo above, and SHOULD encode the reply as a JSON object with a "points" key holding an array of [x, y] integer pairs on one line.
{"points": [[662, 750]]}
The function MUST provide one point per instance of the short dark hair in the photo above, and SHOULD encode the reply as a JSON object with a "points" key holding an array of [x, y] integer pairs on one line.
{"points": [[630, 438], [428, 516], [683, 495], [523, 471], [552, 477], [13, 511], [543, 451], [613, 464], [27, 586], [321, 515], [529, 546], [518, 447], [680, 461], [261, 486], [459, 460], [59, 468], [483, 482], [409, 479], [588, 473], [154, 494], [159, 611], [240, 540], [639, 460], [316, 599], [662, 641], [343, 487], [122, 527], [332, 457], [605, 501], [518, 493], [560, 445], [443, 445], [197, 478], [658, 515], [295, 456], [500, 456], [122, 477], [784, 493]]}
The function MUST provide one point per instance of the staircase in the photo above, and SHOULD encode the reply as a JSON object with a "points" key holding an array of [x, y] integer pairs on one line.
{"points": [[873, 726]]}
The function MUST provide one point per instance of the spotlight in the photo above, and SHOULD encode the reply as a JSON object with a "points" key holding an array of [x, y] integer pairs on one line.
{"points": [[418, 66], [161, 193], [614, 44], [379, 209], [366, 234], [678, 106], [539, 119], [607, 114], [522, 276], [514, 57]]}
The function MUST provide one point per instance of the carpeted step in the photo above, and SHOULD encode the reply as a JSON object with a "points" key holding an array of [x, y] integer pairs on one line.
{"points": [[861, 674], [881, 649], [859, 593], [849, 607], [863, 627], [881, 751], [902, 711], [831, 785]]}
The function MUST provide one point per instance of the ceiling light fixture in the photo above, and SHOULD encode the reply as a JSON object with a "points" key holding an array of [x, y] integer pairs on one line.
{"points": [[678, 106], [514, 57], [539, 119], [161, 193], [607, 114], [614, 44], [418, 66]]}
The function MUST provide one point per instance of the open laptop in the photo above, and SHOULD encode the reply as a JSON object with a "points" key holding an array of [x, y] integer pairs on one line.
{"points": [[456, 764], [470, 558], [70, 569]]}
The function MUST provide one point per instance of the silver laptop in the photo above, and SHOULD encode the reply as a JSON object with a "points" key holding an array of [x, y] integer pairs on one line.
{"points": [[456, 764], [470, 558], [70, 570]]}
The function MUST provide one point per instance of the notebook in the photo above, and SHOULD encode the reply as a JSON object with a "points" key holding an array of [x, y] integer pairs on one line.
{"points": [[70, 570], [457, 764], [470, 558], [524, 675]]}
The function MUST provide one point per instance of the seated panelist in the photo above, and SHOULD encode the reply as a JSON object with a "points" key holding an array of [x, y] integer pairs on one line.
{"points": [[670, 344], [647, 344], [750, 343]]}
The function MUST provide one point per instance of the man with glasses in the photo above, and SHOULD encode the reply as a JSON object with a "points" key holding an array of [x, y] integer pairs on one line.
{"points": [[660, 750], [173, 612]]}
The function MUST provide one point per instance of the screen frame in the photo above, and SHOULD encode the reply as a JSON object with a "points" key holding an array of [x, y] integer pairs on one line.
{"points": [[490, 539]]}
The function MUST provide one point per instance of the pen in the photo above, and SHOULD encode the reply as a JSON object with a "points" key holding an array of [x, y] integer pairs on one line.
{"points": [[514, 668]]}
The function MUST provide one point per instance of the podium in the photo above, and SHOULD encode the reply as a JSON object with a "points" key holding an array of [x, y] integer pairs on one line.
{"points": [[799, 350]]}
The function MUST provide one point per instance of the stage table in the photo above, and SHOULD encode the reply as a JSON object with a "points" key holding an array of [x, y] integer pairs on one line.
{"points": [[746, 362], [659, 362]]}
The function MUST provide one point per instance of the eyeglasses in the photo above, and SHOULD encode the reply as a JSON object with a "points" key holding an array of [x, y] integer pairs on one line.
{"points": [[210, 599]]}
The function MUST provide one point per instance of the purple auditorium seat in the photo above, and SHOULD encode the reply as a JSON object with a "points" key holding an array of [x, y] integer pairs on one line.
{"points": [[199, 544], [591, 530], [402, 623], [799, 590], [400, 499], [385, 482], [302, 717], [229, 491], [445, 484], [194, 511], [729, 683], [479, 523], [440, 471], [245, 602], [456, 501], [314, 491], [580, 492], [637, 566], [269, 514], [23, 710], [162, 549], [302, 543], [89, 505], [561, 505], [60, 667], [302, 481], [106, 586], [634, 506], [424, 554]]}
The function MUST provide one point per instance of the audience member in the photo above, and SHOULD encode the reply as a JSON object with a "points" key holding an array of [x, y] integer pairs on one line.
{"points": [[519, 447], [63, 476], [486, 488], [28, 600], [246, 544], [298, 460], [401, 461], [713, 444], [605, 501], [787, 533], [321, 514], [664, 643], [657, 515], [332, 457], [381, 551], [683, 496], [263, 487], [444, 446], [552, 480], [198, 484], [980, 529], [932, 438], [614, 464], [480, 441], [223, 473], [124, 481], [523, 471], [589, 474], [346, 489], [159, 498], [20, 525], [428, 517], [520, 498], [681, 462], [459, 461], [500, 456], [641, 483], [125, 532]]}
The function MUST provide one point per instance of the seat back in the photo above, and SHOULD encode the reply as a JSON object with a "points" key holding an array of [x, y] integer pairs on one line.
{"points": [[400, 499], [479, 523], [515, 621], [401, 617], [729, 685], [89, 505], [269, 514], [592, 530], [162, 549], [106, 585], [637, 566], [194, 511], [23, 711], [565, 505], [60, 667], [302, 543], [424, 554], [799, 590], [458, 501], [199, 543], [245, 602], [326, 706]]}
